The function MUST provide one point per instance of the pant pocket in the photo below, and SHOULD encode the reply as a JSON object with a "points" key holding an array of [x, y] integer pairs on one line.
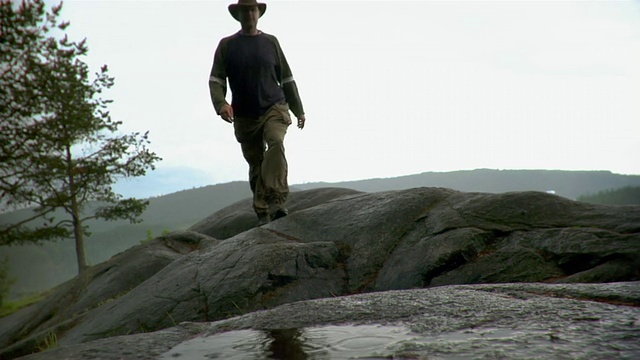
{"points": [[283, 109]]}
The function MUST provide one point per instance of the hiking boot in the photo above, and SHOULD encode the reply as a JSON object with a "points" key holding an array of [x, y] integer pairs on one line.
{"points": [[279, 213], [263, 219]]}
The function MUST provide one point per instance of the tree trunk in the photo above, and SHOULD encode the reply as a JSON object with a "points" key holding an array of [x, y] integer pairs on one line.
{"points": [[79, 236], [78, 233]]}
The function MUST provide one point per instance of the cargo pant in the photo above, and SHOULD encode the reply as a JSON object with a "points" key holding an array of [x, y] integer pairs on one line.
{"points": [[262, 143]]}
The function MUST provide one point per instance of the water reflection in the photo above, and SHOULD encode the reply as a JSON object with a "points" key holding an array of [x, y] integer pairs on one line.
{"points": [[317, 343], [352, 342], [286, 344]]}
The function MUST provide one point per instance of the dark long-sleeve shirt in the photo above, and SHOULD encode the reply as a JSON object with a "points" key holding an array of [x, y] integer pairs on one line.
{"points": [[258, 74]]}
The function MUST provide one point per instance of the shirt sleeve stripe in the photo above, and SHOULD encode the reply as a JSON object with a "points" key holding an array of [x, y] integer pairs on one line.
{"points": [[218, 80], [289, 79]]}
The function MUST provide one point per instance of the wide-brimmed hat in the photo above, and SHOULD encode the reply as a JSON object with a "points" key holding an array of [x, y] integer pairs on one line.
{"points": [[234, 9]]}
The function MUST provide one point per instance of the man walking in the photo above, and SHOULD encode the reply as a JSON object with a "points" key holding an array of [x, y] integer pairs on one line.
{"points": [[263, 90]]}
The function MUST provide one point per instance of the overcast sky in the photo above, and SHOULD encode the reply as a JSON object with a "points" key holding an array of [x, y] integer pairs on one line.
{"points": [[390, 88]]}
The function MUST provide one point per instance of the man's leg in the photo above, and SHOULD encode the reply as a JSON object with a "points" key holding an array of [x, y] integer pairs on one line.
{"points": [[249, 133], [274, 165], [253, 154]]}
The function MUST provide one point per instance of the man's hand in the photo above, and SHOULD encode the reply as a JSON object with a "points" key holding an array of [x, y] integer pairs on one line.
{"points": [[226, 113], [301, 120]]}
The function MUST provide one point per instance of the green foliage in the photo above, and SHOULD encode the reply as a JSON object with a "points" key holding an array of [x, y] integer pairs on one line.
{"points": [[628, 195], [5, 280], [149, 235], [50, 341], [59, 148], [10, 307]]}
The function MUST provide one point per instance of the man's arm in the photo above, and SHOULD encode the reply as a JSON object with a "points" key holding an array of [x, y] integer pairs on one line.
{"points": [[218, 84], [289, 86], [292, 96], [293, 99]]}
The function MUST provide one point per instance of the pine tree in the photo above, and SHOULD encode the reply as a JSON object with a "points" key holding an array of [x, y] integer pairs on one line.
{"points": [[59, 146]]}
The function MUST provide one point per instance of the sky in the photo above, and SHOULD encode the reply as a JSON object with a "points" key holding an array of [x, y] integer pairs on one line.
{"points": [[390, 88]]}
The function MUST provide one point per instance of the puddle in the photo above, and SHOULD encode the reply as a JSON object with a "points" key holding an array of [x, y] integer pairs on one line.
{"points": [[334, 342]]}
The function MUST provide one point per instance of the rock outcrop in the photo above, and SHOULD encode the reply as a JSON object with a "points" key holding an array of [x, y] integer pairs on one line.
{"points": [[340, 242], [239, 217], [503, 321], [24, 331]]}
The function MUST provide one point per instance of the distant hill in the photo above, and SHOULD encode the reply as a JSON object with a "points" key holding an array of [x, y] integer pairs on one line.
{"points": [[569, 184], [627, 195], [38, 268]]}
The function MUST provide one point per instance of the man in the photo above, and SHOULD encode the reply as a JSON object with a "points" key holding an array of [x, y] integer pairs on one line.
{"points": [[262, 89]]}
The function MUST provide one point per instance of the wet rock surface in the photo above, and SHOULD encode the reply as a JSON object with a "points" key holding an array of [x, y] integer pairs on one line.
{"points": [[515, 321], [338, 242]]}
